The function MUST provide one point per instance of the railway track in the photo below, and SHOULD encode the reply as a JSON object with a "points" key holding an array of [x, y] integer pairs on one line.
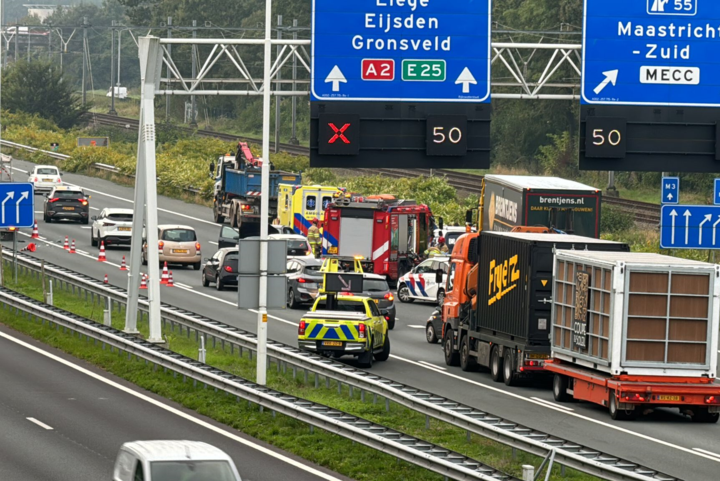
{"points": [[643, 212]]}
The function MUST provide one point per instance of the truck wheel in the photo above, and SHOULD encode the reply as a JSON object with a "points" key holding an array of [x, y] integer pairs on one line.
{"points": [[385, 354], [467, 362], [560, 386], [217, 217], [452, 357], [233, 216], [702, 415], [430, 334], [509, 374], [366, 359], [620, 414], [441, 297], [404, 294], [496, 365]]}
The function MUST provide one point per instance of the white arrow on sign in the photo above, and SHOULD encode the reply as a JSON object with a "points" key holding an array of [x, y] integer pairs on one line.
{"points": [[687, 215], [610, 76], [10, 195], [336, 76], [23, 196], [673, 214], [347, 285], [715, 229], [708, 218], [466, 78], [669, 196]]}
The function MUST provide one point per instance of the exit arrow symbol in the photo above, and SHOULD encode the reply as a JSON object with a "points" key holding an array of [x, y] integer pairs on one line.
{"points": [[346, 285], [10, 195], [708, 218], [336, 76], [610, 77], [715, 229], [466, 78]]}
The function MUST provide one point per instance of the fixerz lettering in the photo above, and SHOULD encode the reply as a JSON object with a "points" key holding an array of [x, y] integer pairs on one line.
{"points": [[504, 277]]}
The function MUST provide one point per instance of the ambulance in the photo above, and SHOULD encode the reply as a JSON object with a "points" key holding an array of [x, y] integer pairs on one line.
{"points": [[298, 205]]}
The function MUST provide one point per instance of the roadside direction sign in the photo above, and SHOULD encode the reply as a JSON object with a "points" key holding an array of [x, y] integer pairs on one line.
{"points": [[651, 52], [670, 190], [690, 227], [17, 204], [716, 196], [401, 50]]}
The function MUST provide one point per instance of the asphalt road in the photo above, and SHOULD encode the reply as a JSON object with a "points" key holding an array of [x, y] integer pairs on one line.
{"points": [[62, 419], [663, 440]]}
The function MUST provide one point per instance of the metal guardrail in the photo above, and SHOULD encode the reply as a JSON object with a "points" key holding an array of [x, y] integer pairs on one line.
{"points": [[416, 451], [466, 417]]}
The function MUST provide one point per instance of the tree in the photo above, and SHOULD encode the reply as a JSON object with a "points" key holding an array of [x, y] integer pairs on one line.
{"points": [[40, 88]]}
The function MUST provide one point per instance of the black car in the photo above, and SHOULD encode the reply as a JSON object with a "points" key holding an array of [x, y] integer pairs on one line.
{"points": [[229, 235], [304, 280], [377, 288], [222, 269], [433, 327], [67, 203]]}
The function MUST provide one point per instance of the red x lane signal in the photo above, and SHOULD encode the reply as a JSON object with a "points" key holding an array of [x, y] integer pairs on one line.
{"points": [[339, 133]]}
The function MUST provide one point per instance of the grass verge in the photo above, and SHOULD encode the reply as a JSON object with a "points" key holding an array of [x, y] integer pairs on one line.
{"points": [[319, 447]]}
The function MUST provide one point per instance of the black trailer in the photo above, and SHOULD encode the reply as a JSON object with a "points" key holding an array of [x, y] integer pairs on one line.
{"points": [[508, 327]]}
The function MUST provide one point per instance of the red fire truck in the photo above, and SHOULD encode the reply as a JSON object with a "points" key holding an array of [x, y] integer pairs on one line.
{"points": [[385, 232]]}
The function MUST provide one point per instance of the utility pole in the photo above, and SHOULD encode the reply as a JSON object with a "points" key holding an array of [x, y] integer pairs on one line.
{"points": [[167, 70], [49, 44], [293, 138], [278, 99], [29, 39], [193, 118], [84, 63], [112, 70], [118, 56], [17, 32]]}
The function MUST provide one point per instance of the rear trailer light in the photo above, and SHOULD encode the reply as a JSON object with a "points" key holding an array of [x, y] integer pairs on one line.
{"points": [[228, 269], [362, 334], [712, 399], [301, 328], [634, 397]]}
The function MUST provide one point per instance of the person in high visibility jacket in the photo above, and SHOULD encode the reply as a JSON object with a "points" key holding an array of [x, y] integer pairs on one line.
{"points": [[432, 252], [442, 246], [313, 237]]}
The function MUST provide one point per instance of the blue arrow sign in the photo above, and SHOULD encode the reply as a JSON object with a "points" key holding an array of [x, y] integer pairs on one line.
{"points": [[17, 204], [670, 190], [401, 50], [650, 52], [716, 197], [690, 227]]}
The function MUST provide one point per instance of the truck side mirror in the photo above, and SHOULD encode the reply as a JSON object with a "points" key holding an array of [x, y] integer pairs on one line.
{"points": [[441, 223], [468, 217], [439, 276], [212, 168]]}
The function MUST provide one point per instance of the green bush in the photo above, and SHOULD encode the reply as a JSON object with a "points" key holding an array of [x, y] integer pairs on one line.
{"points": [[613, 220]]}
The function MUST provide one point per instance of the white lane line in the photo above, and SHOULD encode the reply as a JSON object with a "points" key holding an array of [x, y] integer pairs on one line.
{"points": [[20, 170], [574, 414], [94, 208], [82, 252], [79, 252], [213, 243], [39, 212], [189, 417], [415, 327], [709, 453], [440, 368], [86, 227], [40, 423], [184, 286], [552, 404]]}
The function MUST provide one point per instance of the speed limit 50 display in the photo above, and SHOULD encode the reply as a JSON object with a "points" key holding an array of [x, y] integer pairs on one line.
{"points": [[605, 137]]}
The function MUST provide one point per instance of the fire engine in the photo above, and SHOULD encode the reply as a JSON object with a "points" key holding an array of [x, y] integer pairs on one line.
{"points": [[387, 233]]}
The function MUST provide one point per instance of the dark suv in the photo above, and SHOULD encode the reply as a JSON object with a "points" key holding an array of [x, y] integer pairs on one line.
{"points": [[222, 269], [67, 203]]}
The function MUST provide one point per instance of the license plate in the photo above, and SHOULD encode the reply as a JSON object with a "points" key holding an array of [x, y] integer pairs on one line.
{"points": [[68, 208], [286, 177], [332, 343], [47, 180], [668, 398], [180, 251], [125, 229], [537, 355], [332, 250]]}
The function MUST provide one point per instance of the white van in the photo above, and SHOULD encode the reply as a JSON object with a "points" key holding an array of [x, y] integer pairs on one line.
{"points": [[173, 460]]}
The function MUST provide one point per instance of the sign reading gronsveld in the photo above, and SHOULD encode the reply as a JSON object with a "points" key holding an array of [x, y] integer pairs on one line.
{"points": [[401, 50], [651, 52]]}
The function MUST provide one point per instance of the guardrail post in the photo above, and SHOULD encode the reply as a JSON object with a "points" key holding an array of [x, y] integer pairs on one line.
{"points": [[107, 313], [50, 293], [528, 472], [202, 352]]}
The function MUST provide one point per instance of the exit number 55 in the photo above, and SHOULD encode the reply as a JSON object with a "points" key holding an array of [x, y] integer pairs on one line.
{"points": [[672, 7]]}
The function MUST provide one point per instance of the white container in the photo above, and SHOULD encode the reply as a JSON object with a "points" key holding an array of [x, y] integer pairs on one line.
{"points": [[646, 314]]}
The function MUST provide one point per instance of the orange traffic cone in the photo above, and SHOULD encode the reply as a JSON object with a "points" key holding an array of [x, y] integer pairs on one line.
{"points": [[123, 266], [105, 281], [72, 247], [30, 247], [101, 256], [170, 280], [66, 246], [35, 233], [143, 283], [164, 277]]}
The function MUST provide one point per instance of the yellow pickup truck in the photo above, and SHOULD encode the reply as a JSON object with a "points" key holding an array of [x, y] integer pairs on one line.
{"points": [[355, 327]]}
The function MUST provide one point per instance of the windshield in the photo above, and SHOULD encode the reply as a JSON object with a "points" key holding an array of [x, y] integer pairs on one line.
{"points": [[191, 471], [47, 171], [451, 239], [297, 244], [121, 217], [345, 306], [68, 194], [179, 235], [375, 285], [312, 269]]}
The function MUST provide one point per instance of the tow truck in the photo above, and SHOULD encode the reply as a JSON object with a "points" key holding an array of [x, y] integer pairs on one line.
{"points": [[343, 324]]}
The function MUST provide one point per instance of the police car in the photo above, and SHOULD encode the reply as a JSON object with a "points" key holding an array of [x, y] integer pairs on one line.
{"points": [[426, 282]]}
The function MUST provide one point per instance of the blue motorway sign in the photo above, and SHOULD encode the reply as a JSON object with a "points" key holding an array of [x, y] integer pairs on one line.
{"points": [[670, 190], [401, 50], [716, 195], [651, 52], [17, 204], [690, 227]]}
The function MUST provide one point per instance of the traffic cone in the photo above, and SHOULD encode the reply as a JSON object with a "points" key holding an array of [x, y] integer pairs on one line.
{"points": [[105, 281], [123, 266], [72, 247], [170, 280], [143, 282], [66, 246], [35, 233], [30, 247], [164, 277], [101, 256]]}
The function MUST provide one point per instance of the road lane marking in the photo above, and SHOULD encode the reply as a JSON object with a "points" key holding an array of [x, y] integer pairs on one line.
{"points": [[86, 227], [161, 405], [415, 327], [440, 368], [552, 404], [184, 286], [213, 243], [709, 453], [40, 423], [94, 208]]}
